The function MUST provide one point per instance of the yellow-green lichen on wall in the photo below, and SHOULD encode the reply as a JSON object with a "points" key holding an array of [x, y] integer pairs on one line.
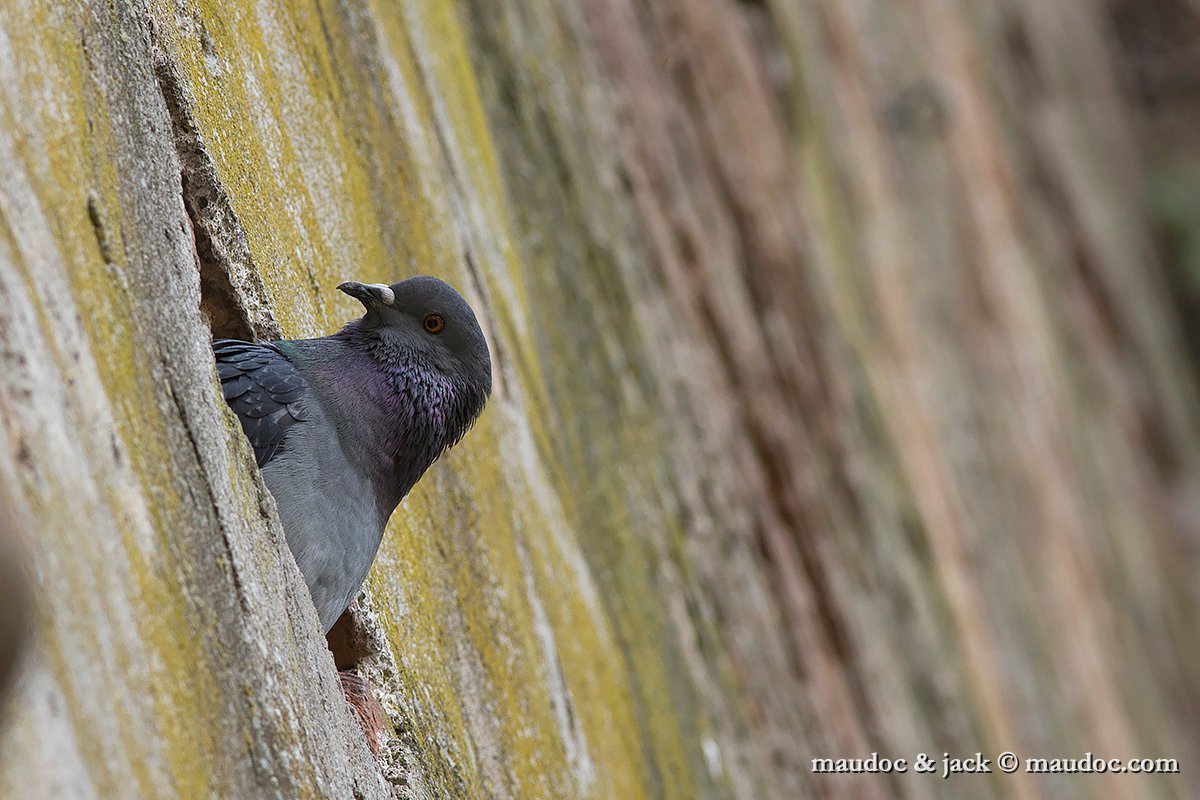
{"points": [[761, 479], [143, 541], [496, 703]]}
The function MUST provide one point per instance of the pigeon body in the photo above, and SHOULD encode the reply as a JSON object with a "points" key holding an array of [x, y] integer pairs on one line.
{"points": [[344, 426]]}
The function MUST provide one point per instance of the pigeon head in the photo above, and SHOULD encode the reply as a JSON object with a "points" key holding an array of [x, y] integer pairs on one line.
{"points": [[423, 324]]}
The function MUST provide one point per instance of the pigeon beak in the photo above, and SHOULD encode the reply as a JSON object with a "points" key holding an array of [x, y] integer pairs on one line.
{"points": [[369, 293]]}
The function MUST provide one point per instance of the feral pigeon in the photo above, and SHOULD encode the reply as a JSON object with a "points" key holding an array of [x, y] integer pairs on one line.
{"points": [[343, 426]]}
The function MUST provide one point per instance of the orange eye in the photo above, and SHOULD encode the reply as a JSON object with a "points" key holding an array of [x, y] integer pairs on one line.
{"points": [[434, 323]]}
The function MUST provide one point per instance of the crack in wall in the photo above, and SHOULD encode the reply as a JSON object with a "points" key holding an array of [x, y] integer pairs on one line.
{"points": [[360, 648], [233, 298], [236, 304]]}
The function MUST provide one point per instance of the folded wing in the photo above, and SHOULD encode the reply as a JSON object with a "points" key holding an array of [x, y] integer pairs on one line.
{"points": [[264, 389]]}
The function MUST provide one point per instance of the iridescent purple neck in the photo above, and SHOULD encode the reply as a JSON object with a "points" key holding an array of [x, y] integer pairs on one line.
{"points": [[410, 412]]}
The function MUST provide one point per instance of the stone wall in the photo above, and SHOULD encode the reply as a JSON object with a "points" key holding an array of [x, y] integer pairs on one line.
{"points": [[839, 405]]}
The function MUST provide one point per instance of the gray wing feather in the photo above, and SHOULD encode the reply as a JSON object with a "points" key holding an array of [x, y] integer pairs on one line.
{"points": [[264, 389]]}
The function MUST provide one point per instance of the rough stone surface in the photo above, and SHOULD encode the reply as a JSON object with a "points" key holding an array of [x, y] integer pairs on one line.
{"points": [[838, 403]]}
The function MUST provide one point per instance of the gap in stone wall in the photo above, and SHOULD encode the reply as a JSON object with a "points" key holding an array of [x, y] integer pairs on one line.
{"points": [[236, 304]]}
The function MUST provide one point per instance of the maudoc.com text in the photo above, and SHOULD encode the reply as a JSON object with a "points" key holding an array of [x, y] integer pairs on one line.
{"points": [[1007, 762]]}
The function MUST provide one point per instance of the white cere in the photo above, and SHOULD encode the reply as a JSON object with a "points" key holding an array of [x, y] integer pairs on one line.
{"points": [[384, 292]]}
